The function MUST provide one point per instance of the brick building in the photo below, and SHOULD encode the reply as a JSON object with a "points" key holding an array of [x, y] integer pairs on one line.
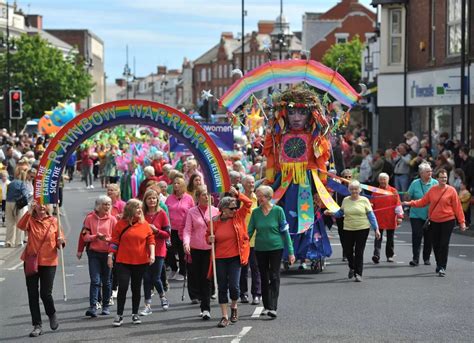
{"points": [[419, 84], [339, 24], [91, 48], [212, 71]]}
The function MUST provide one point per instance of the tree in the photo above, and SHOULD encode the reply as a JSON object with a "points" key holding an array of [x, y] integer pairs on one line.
{"points": [[45, 75], [348, 57]]}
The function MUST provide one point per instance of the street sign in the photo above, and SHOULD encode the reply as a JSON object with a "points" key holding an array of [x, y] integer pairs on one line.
{"points": [[369, 66]]}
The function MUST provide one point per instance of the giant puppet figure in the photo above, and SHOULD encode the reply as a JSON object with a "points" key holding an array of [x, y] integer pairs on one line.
{"points": [[297, 145], [297, 149]]}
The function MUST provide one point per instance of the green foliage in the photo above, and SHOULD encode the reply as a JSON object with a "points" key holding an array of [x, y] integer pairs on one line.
{"points": [[348, 57], [45, 75]]}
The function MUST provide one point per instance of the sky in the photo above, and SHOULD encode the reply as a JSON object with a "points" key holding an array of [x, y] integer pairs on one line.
{"points": [[163, 32]]}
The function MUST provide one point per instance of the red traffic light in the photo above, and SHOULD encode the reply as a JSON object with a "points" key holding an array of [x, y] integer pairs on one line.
{"points": [[15, 95]]}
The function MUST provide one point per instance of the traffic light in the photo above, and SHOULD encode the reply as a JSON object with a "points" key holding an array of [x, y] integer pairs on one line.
{"points": [[15, 104]]}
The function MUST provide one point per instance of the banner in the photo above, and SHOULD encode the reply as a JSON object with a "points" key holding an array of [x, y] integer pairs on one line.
{"points": [[221, 134]]}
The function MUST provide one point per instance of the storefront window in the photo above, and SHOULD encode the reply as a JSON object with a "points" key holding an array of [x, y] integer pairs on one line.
{"points": [[419, 121], [442, 119]]}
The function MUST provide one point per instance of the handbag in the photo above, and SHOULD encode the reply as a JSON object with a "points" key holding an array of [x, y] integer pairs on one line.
{"points": [[427, 223], [31, 260], [21, 202]]}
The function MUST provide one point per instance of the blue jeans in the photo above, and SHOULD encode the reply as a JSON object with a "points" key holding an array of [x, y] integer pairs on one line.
{"points": [[402, 181], [228, 278], [100, 275], [152, 278]]}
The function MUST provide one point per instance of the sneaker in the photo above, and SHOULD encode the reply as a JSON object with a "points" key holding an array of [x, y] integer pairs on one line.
{"points": [[37, 331], [136, 319], [413, 263], [427, 263], [244, 299], [264, 312], [111, 301], [442, 272], [223, 322], [438, 269], [105, 311], [146, 311], [179, 277], [92, 186], [164, 303], [256, 300], [114, 294], [358, 278], [98, 306], [350, 275], [375, 259], [53, 322], [214, 296], [118, 321], [172, 275], [272, 313], [91, 312], [206, 315], [390, 259]]}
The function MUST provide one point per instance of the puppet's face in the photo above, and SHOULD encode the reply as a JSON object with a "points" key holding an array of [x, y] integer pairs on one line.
{"points": [[298, 118]]}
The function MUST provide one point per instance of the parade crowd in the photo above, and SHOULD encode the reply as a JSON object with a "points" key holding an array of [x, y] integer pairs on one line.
{"points": [[168, 230]]}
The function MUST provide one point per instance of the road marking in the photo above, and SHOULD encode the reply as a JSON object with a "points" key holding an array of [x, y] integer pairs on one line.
{"points": [[16, 266], [69, 274], [2, 279], [80, 266], [400, 262], [241, 334], [205, 338], [257, 312], [462, 256]]}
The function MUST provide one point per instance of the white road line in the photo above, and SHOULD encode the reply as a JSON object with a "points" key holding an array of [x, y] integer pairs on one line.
{"points": [[69, 275], [462, 256], [16, 266], [80, 266], [2, 279], [241, 334], [257, 312], [205, 338], [400, 262]]}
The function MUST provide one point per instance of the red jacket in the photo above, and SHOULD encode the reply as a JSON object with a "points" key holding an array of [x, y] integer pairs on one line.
{"points": [[162, 223], [387, 209], [133, 246], [240, 228]]}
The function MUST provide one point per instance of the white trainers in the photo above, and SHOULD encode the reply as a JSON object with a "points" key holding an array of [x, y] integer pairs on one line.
{"points": [[146, 311], [164, 303], [136, 319], [206, 315], [92, 186], [118, 321], [179, 277]]}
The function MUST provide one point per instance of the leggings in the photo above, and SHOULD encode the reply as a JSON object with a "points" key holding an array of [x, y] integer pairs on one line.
{"points": [[125, 274]]}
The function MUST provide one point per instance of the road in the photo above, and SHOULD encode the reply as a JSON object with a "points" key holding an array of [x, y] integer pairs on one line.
{"points": [[394, 303]]}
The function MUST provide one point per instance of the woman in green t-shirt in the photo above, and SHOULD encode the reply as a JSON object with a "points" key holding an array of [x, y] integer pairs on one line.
{"points": [[358, 218], [272, 235]]}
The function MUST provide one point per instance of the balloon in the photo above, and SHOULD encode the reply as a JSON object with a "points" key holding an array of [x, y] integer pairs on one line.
{"points": [[62, 114], [46, 126]]}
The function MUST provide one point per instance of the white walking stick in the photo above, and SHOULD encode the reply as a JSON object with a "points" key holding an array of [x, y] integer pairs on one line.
{"points": [[62, 254], [213, 249]]}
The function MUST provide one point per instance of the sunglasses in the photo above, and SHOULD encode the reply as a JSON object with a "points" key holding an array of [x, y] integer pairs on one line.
{"points": [[233, 208]]}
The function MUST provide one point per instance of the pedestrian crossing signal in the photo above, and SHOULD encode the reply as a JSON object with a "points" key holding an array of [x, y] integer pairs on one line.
{"points": [[15, 104]]}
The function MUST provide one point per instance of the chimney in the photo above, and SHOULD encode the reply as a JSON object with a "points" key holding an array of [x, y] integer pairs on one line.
{"points": [[35, 20], [227, 35], [121, 82], [161, 70], [265, 26]]}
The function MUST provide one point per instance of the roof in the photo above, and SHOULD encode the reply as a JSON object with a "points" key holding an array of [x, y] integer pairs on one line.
{"points": [[344, 7], [53, 40], [208, 56], [230, 44], [388, 2], [316, 30]]}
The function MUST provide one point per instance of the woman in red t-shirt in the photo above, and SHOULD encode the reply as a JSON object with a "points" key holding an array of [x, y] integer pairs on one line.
{"points": [[133, 245], [160, 225]]}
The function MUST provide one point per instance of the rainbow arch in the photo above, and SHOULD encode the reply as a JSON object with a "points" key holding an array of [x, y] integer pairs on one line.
{"points": [[134, 112], [290, 71]]}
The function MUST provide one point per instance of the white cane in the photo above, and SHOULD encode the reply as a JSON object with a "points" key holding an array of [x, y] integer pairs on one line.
{"points": [[62, 254], [213, 249]]}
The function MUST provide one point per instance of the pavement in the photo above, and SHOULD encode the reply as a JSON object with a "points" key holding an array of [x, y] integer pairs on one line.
{"points": [[394, 303]]}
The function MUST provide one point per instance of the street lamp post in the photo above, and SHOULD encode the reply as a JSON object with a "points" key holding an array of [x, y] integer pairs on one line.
{"points": [[89, 64], [127, 73]]}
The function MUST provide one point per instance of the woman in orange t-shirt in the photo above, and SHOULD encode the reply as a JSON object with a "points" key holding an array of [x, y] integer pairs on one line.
{"points": [[445, 208], [44, 238], [133, 245], [232, 250]]}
